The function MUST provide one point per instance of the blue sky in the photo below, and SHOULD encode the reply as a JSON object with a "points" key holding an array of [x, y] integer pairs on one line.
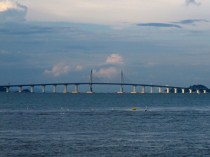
{"points": [[152, 41]]}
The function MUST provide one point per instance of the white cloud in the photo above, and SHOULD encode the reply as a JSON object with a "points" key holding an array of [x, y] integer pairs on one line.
{"points": [[116, 12], [110, 68], [62, 69], [12, 11], [114, 59], [109, 72], [196, 2], [58, 69], [79, 68]]}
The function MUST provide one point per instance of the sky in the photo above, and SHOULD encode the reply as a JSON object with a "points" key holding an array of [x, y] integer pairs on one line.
{"points": [[152, 41]]}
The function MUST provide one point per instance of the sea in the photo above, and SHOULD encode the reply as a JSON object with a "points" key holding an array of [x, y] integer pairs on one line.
{"points": [[104, 125]]}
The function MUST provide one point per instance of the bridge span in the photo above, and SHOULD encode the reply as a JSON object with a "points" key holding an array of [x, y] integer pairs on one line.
{"points": [[135, 87], [122, 84]]}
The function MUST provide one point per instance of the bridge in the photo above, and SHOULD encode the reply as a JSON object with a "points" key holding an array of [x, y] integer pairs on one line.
{"points": [[161, 88], [91, 84]]}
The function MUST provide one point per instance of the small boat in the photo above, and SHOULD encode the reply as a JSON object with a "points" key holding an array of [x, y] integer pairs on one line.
{"points": [[134, 108]]}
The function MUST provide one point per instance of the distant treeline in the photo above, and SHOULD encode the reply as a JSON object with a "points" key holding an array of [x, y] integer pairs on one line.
{"points": [[193, 87], [3, 89]]}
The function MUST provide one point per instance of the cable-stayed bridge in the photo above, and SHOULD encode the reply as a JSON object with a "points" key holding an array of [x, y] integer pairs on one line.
{"points": [[161, 88], [91, 84]]}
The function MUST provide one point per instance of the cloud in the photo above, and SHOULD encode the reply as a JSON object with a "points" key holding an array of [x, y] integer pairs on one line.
{"points": [[117, 11], [109, 72], [178, 24], [79, 68], [195, 2], [159, 25], [110, 68], [191, 21], [58, 69], [114, 59], [62, 69], [11, 11]]}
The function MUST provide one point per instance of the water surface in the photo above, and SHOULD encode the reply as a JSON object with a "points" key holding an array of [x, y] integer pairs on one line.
{"points": [[87, 125]]}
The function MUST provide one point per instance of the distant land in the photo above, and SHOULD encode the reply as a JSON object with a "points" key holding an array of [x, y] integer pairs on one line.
{"points": [[193, 87], [2, 89]]}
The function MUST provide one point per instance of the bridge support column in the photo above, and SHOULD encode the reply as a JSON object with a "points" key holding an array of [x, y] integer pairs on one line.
{"points": [[19, 89], [204, 91], [76, 90], [143, 89], [175, 90], [190, 91], [183, 91], [54, 88], [32, 88], [167, 90], [134, 90], [43, 88], [198, 91], [91, 89], [7, 89], [159, 90], [151, 89], [121, 89], [65, 88]]}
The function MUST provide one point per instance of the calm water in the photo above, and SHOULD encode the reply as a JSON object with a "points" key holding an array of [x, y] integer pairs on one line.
{"points": [[104, 125]]}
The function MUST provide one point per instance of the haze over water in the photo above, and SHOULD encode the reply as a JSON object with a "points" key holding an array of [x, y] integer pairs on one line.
{"points": [[104, 125]]}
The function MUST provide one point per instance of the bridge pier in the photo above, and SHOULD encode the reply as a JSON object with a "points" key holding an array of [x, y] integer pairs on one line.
{"points": [[167, 90], [19, 89], [43, 88], [159, 90], [7, 89], [134, 90], [54, 88], [76, 89], [190, 91], [32, 88], [121, 89], [204, 91], [91, 89], [65, 88], [175, 90], [151, 89], [198, 91], [183, 90], [143, 89]]}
